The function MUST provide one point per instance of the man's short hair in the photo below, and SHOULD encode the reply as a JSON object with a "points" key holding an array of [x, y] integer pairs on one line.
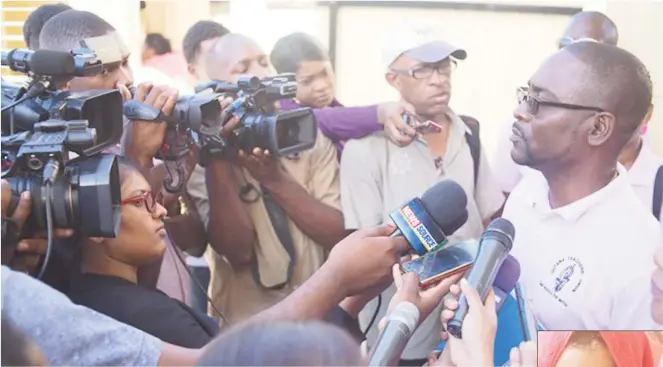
{"points": [[290, 51], [159, 43], [619, 80], [65, 30], [198, 33], [35, 22]]}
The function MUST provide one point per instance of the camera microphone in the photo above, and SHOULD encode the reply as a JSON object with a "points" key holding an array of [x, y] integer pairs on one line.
{"points": [[40, 62], [494, 247], [426, 222], [401, 323]]}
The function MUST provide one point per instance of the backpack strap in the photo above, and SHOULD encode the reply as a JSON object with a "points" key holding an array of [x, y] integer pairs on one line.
{"points": [[474, 141], [658, 194]]}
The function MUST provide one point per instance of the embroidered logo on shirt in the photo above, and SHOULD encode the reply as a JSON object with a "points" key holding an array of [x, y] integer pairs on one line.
{"points": [[566, 277], [400, 163]]}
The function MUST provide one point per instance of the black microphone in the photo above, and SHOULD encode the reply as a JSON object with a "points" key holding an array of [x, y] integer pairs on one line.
{"points": [[401, 323], [426, 222], [40, 62], [495, 244], [527, 319]]}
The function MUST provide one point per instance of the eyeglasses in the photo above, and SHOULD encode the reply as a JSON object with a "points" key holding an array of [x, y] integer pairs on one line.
{"points": [[425, 71], [565, 41], [533, 103], [147, 198]]}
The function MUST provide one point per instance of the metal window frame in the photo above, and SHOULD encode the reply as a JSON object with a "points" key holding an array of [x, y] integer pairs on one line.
{"points": [[335, 6]]}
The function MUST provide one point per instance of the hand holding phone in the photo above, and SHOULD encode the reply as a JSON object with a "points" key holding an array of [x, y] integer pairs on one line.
{"points": [[422, 127], [436, 266]]}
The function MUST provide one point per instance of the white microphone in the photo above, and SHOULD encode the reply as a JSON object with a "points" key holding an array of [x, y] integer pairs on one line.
{"points": [[401, 323]]}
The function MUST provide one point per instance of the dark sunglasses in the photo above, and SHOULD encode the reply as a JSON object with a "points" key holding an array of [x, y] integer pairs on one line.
{"points": [[147, 198], [533, 103]]}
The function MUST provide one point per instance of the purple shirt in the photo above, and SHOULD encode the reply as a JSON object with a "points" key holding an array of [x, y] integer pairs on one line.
{"points": [[339, 123]]}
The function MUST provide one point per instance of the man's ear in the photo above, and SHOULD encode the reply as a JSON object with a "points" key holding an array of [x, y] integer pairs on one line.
{"points": [[603, 126], [392, 79]]}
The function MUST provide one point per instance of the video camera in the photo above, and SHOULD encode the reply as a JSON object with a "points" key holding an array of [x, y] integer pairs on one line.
{"points": [[41, 126], [261, 126]]}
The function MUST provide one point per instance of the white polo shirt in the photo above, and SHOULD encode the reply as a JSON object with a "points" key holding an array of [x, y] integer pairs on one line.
{"points": [[587, 265]]}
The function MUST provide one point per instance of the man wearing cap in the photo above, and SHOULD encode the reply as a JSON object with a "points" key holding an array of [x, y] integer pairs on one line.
{"points": [[378, 176]]}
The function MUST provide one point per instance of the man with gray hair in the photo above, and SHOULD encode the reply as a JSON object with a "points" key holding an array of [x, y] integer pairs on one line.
{"points": [[378, 176]]}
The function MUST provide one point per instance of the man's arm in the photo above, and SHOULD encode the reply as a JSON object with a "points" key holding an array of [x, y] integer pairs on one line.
{"points": [[317, 214], [215, 192]]}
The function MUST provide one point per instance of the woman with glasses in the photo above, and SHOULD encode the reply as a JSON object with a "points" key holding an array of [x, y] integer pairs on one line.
{"points": [[104, 274]]}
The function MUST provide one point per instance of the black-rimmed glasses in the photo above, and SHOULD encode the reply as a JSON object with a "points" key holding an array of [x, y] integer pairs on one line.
{"points": [[425, 71], [533, 103]]}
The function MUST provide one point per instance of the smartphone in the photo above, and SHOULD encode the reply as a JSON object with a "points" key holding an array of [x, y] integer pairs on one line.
{"points": [[436, 266], [421, 127]]}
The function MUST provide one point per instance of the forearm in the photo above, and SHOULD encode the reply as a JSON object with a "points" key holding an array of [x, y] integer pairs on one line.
{"points": [[188, 233], [321, 222], [230, 231], [313, 300], [345, 123]]}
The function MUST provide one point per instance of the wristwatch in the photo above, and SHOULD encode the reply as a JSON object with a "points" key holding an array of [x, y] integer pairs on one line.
{"points": [[10, 233]]}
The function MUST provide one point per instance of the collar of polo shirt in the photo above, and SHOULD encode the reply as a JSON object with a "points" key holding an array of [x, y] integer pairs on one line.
{"points": [[572, 212]]}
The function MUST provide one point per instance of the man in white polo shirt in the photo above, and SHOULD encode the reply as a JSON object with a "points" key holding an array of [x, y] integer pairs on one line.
{"points": [[584, 241], [378, 176]]}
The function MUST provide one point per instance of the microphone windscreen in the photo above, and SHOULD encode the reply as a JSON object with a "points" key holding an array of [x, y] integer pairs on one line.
{"points": [[49, 62], [446, 202], [508, 275], [503, 229]]}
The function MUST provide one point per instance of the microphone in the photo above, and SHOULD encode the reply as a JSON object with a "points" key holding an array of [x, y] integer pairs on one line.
{"points": [[40, 62], [495, 244], [401, 323], [527, 319], [425, 222], [506, 280]]}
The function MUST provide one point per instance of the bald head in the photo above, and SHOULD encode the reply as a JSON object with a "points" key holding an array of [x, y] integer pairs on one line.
{"points": [[590, 24], [618, 81], [233, 55]]}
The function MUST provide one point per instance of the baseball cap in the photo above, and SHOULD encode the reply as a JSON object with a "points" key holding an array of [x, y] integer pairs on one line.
{"points": [[420, 44]]}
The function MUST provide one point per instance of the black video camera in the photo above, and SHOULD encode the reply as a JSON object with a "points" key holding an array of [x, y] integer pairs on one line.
{"points": [[42, 126], [261, 126]]}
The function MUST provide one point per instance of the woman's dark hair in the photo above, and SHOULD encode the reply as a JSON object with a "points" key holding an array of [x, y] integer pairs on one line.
{"points": [[283, 344], [290, 51], [159, 43], [65, 261]]}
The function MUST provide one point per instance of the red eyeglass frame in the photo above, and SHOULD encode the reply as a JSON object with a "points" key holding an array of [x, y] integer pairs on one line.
{"points": [[145, 198]]}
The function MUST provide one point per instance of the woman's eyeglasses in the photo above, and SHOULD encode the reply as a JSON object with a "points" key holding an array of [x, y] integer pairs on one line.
{"points": [[147, 198], [444, 68], [533, 103]]}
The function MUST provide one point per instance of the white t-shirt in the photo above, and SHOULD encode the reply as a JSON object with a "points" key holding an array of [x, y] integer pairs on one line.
{"points": [[587, 265]]}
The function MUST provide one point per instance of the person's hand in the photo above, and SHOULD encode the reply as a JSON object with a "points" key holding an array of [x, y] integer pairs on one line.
{"points": [[525, 355], [144, 138], [232, 123], [408, 290], [27, 253], [262, 166], [390, 115], [657, 287], [479, 328], [363, 260]]}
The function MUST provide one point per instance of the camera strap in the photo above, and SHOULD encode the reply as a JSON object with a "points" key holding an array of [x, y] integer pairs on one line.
{"points": [[281, 225]]}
